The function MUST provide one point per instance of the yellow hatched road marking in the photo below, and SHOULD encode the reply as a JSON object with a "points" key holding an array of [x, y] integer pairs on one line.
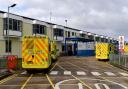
{"points": [[104, 77], [53, 66], [8, 78], [82, 82], [50, 81], [23, 86], [77, 78], [20, 85]]}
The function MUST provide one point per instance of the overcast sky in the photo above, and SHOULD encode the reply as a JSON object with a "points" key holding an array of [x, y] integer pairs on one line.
{"points": [[104, 17]]}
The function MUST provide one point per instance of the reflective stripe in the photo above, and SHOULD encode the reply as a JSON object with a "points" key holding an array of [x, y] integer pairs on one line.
{"points": [[39, 51]]}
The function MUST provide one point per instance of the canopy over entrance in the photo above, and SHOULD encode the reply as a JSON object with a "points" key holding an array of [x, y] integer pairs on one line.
{"points": [[76, 40], [79, 39]]}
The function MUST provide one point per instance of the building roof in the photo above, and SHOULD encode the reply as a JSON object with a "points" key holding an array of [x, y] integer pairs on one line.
{"points": [[46, 22]]}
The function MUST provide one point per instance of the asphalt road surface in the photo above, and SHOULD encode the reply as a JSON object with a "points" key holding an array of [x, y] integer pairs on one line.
{"points": [[71, 73]]}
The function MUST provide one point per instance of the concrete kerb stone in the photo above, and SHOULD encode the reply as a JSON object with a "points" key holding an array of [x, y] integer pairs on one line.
{"points": [[119, 66], [4, 74]]}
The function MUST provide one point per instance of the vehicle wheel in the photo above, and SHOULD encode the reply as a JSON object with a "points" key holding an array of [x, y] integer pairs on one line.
{"points": [[29, 71], [46, 71]]}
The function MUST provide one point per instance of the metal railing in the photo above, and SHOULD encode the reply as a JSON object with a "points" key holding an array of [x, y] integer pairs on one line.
{"points": [[119, 59]]}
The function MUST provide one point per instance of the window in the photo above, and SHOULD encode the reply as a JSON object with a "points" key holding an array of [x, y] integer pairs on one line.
{"points": [[97, 39], [73, 34], [65, 33], [58, 32], [82, 35], [91, 37], [39, 29], [68, 34], [8, 46], [14, 24]]}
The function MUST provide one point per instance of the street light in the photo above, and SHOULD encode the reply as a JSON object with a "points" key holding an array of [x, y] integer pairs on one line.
{"points": [[13, 5]]}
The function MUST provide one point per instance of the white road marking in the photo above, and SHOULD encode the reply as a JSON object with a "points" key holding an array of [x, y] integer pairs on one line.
{"points": [[64, 81], [81, 73], [106, 86], [98, 87], [95, 73], [67, 72], [53, 72], [25, 72], [80, 86], [110, 73], [124, 74]]}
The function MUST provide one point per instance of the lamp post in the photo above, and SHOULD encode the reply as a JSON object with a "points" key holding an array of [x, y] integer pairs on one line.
{"points": [[13, 5]]}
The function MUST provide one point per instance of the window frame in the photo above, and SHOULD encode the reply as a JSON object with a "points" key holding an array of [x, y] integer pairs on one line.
{"points": [[8, 47], [58, 32], [14, 24], [39, 29]]}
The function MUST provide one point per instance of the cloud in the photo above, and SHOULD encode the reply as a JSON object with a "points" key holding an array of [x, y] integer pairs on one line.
{"points": [[107, 17]]}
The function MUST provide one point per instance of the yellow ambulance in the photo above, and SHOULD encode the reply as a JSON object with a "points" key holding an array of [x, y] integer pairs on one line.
{"points": [[126, 48], [36, 52], [103, 50]]}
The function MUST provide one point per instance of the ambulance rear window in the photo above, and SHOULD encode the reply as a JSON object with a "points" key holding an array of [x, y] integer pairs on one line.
{"points": [[29, 44]]}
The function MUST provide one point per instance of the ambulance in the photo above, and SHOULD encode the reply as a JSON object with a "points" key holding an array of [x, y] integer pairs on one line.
{"points": [[126, 48], [103, 50], [36, 52]]}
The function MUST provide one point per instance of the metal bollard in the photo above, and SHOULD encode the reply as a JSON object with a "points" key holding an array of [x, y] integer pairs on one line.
{"points": [[125, 61], [119, 60]]}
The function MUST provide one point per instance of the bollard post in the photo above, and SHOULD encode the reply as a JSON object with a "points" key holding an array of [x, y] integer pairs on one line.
{"points": [[119, 58], [125, 61]]}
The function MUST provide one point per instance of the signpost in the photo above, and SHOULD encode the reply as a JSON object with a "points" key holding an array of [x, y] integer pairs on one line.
{"points": [[121, 47], [121, 44]]}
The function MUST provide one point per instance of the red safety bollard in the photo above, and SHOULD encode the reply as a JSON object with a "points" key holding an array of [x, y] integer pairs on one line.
{"points": [[11, 62]]}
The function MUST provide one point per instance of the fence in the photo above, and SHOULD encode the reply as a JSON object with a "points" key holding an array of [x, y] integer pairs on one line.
{"points": [[4, 63], [119, 59]]}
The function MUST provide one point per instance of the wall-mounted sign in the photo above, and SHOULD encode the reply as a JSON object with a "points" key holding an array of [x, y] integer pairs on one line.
{"points": [[121, 43]]}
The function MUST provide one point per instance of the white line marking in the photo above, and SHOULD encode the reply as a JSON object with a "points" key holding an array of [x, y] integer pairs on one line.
{"points": [[80, 86], [117, 84], [25, 72], [95, 73], [67, 72], [110, 73], [106, 86], [53, 72], [61, 82], [124, 74], [81, 73], [98, 87]]}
